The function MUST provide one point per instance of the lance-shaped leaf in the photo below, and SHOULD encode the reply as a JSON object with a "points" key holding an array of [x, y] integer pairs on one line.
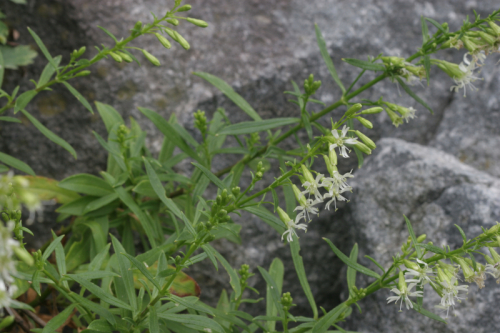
{"points": [[326, 58], [15, 163], [49, 134], [42, 47], [87, 184], [234, 281], [413, 95], [213, 178], [197, 322], [78, 96], [247, 127], [24, 99], [370, 66], [142, 269], [350, 263], [413, 238], [58, 320], [327, 320], [351, 272], [230, 93], [273, 291], [48, 71], [276, 271]]}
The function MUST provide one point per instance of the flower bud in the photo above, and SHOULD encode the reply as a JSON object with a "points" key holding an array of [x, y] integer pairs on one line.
{"points": [[487, 38], [307, 174], [353, 109], [184, 8], [421, 238], [124, 56], [411, 265], [165, 42], [5, 217], [495, 28], [333, 156], [283, 216], [137, 28], [494, 254], [393, 61], [173, 21], [209, 238], [329, 165], [299, 196], [396, 120], [374, 110], [236, 191], [365, 122], [258, 175], [466, 269], [115, 57], [198, 23], [470, 44], [489, 260], [442, 276], [152, 59], [494, 229], [82, 73], [402, 283], [364, 148], [366, 140], [24, 255]]}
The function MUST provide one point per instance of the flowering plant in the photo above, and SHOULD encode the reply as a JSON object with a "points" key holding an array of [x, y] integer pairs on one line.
{"points": [[92, 270]]}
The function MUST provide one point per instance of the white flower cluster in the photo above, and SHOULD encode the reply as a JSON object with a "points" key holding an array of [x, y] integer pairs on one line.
{"points": [[7, 265], [311, 196], [443, 278], [23, 195]]}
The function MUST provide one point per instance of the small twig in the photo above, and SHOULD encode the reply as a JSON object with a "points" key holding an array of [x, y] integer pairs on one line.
{"points": [[33, 316], [19, 320]]}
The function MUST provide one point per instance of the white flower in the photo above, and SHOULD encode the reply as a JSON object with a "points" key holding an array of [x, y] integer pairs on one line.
{"points": [[404, 295], [421, 276], [291, 228], [7, 245], [312, 187], [467, 68], [334, 193], [450, 294], [306, 209], [341, 140], [494, 270], [338, 180]]}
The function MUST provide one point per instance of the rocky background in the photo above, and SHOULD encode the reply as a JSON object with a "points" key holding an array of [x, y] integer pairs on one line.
{"points": [[439, 170]]}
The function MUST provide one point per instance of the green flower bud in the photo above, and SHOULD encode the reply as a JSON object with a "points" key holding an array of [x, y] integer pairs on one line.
{"points": [[372, 110], [115, 57], [366, 140], [333, 156], [489, 260], [329, 165], [24, 255], [393, 61], [421, 238], [487, 38], [402, 283], [173, 34], [77, 54], [209, 238], [494, 229], [466, 269], [258, 175], [236, 191], [173, 21], [301, 199], [125, 56], [494, 254], [307, 174], [137, 28], [365, 122], [200, 227], [442, 276], [470, 44], [396, 120], [411, 265], [5, 217], [198, 23], [494, 27], [82, 73], [152, 59], [165, 42], [283, 216], [353, 109], [184, 8], [364, 148], [222, 213]]}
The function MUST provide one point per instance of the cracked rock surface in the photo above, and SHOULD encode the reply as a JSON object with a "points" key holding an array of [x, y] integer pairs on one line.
{"points": [[258, 47]]}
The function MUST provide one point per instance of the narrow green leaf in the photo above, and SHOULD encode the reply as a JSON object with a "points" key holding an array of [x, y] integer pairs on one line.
{"points": [[349, 263], [213, 178], [99, 203], [307, 124], [60, 259], [2, 69], [169, 132], [351, 272], [376, 263], [42, 47], [360, 157], [20, 305], [413, 95], [197, 322], [247, 127], [370, 66], [464, 237], [267, 217], [234, 281], [428, 313], [185, 135], [413, 238], [96, 308], [35, 282], [211, 255], [58, 320], [273, 291], [436, 24], [327, 320], [109, 115], [17, 164], [48, 71], [86, 184], [143, 270], [125, 272], [433, 248], [10, 119], [78, 96], [24, 99], [425, 30], [326, 58], [49, 134], [96, 275], [100, 325], [51, 247], [427, 66], [108, 33], [301, 273], [230, 93]]}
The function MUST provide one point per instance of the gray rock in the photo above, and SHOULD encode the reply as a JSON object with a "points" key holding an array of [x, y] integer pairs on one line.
{"points": [[435, 191]]}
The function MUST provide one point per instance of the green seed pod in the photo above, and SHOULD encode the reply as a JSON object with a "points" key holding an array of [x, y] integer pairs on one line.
{"points": [[173, 21], [365, 122], [165, 42], [82, 73], [366, 140], [372, 110], [152, 59], [125, 56], [184, 8], [115, 57]]}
